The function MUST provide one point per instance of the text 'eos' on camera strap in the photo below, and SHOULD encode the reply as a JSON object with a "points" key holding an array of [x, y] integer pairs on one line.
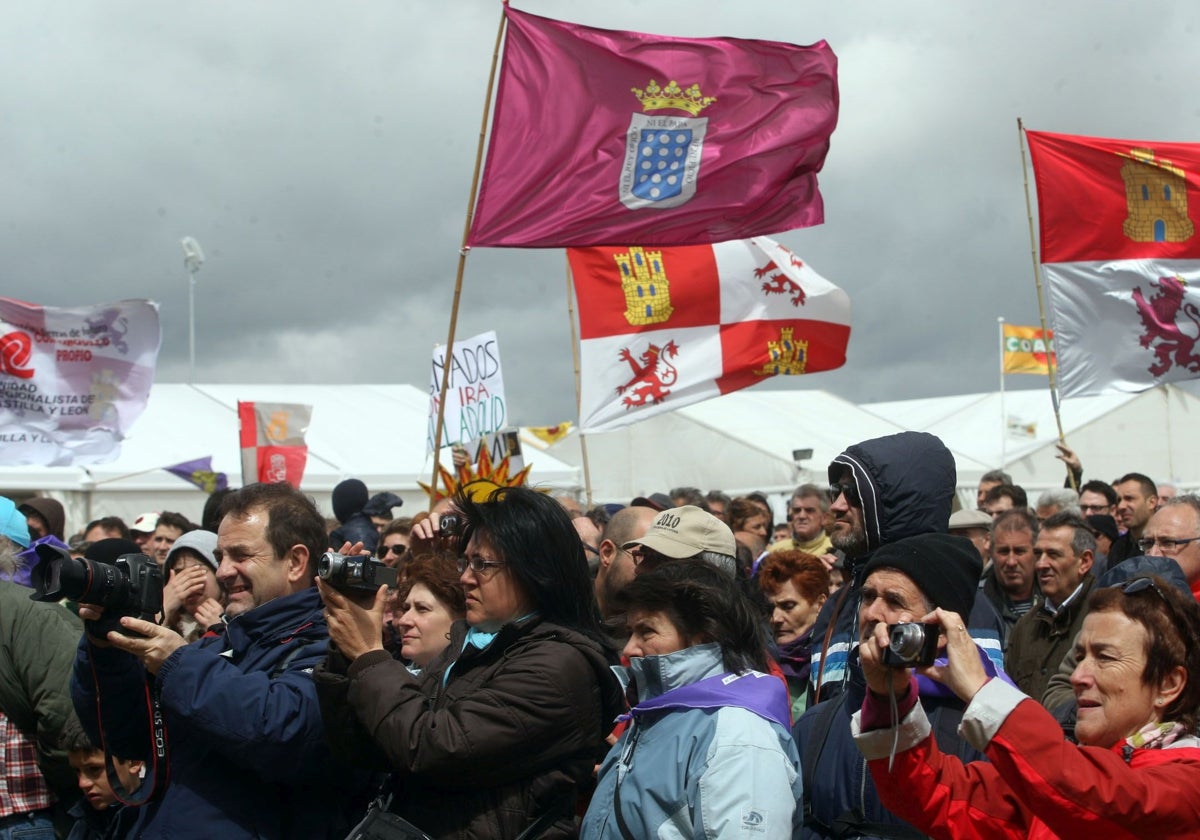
{"points": [[155, 781]]}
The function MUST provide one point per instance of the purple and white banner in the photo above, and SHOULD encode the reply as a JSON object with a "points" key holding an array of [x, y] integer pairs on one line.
{"points": [[73, 380]]}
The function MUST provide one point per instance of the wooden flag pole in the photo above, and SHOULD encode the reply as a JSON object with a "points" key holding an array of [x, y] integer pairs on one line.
{"points": [[1003, 418], [1051, 357], [462, 262], [587, 471]]}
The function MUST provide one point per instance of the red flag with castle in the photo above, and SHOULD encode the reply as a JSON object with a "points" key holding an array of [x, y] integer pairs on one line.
{"points": [[272, 440], [603, 136], [664, 328], [1121, 259]]}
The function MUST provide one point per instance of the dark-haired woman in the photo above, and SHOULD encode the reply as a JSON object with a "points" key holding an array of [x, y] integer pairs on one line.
{"points": [[503, 729], [708, 752], [1135, 773]]}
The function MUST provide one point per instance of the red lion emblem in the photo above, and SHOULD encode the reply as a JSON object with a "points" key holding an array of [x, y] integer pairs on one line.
{"points": [[1161, 328], [652, 377], [15, 352], [781, 284]]}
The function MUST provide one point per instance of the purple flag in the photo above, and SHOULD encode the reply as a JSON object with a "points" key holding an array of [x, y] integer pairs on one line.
{"points": [[200, 473]]}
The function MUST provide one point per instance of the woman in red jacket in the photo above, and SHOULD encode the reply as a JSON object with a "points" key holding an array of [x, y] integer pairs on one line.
{"points": [[1135, 773]]}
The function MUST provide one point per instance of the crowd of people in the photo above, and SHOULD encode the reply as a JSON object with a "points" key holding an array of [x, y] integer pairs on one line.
{"points": [[884, 663]]}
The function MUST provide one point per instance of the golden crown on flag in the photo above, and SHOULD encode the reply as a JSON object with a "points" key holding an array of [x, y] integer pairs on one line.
{"points": [[655, 98]]}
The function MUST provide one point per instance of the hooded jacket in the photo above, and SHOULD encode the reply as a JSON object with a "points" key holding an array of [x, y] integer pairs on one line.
{"points": [[906, 483], [49, 509], [713, 767]]}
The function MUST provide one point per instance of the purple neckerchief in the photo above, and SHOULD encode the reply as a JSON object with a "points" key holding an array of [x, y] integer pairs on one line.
{"points": [[932, 688], [28, 558], [753, 691]]}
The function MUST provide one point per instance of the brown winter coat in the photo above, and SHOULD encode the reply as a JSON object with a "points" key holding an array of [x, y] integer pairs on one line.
{"points": [[516, 729]]}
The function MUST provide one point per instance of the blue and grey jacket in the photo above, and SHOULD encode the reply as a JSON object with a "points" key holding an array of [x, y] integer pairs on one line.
{"points": [[247, 754], [707, 754]]}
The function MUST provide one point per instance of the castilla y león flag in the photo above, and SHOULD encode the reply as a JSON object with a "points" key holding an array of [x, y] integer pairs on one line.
{"points": [[663, 328], [603, 136], [272, 440], [1121, 259]]}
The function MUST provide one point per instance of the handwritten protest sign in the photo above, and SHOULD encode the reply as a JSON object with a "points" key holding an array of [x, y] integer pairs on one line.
{"points": [[475, 398]]}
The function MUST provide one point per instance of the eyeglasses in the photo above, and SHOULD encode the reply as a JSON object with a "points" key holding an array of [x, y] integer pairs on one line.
{"points": [[850, 491], [397, 549], [1088, 510], [1169, 546], [591, 549], [478, 565]]}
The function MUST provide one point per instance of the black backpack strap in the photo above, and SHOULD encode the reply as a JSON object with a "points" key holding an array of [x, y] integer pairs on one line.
{"points": [[823, 720]]}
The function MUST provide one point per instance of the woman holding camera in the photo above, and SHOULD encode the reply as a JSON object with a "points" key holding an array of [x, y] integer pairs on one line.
{"points": [[1135, 773], [501, 731]]}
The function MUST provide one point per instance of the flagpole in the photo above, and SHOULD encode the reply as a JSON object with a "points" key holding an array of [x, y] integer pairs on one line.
{"points": [[462, 261], [587, 472], [1003, 422], [1051, 357]]}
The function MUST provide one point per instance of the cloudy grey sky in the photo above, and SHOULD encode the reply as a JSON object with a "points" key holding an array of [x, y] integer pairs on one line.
{"points": [[321, 153]]}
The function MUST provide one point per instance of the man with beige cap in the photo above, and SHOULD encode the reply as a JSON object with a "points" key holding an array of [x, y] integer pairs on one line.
{"points": [[681, 533]]}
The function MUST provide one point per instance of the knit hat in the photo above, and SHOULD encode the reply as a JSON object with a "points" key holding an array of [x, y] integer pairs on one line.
{"points": [[203, 543], [945, 568], [685, 532], [12, 523], [1102, 523], [349, 497]]}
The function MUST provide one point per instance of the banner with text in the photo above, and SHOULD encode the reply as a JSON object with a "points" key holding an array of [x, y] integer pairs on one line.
{"points": [[475, 397], [73, 380]]}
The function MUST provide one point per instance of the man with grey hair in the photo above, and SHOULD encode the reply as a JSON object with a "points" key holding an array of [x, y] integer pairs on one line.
{"points": [[1061, 500], [806, 515], [681, 533], [990, 479], [1063, 555]]}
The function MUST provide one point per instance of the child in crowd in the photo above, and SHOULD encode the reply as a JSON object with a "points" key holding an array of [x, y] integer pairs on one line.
{"points": [[98, 816]]}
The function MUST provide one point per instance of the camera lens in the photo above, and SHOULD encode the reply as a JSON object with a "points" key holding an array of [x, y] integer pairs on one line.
{"points": [[330, 565], [907, 641]]}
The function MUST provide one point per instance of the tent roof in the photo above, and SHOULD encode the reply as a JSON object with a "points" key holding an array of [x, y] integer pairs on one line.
{"points": [[372, 432]]}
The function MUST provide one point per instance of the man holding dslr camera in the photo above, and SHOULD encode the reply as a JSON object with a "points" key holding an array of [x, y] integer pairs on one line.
{"points": [[245, 745], [903, 581]]}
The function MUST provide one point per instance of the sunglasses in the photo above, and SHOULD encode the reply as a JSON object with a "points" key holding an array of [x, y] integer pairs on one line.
{"points": [[1140, 584], [397, 549], [850, 491]]}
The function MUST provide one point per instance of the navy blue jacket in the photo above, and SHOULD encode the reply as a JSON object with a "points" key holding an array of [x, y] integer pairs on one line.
{"points": [[247, 750]]}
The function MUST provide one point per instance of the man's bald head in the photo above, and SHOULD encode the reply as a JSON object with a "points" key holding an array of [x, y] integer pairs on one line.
{"points": [[616, 565]]}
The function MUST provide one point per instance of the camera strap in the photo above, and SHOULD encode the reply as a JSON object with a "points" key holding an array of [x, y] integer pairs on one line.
{"points": [[155, 781]]}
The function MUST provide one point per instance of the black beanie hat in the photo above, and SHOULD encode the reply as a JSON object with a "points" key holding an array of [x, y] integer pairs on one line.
{"points": [[107, 551], [945, 568], [349, 497]]}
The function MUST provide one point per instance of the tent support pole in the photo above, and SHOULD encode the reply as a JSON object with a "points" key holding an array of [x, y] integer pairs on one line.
{"points": [[587, 471]]}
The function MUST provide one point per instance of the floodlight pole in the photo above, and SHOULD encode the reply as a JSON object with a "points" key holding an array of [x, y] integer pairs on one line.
{"points": [[193, 258]]}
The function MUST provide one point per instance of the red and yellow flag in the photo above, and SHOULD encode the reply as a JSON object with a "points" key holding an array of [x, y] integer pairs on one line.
{"points": [[1025, 350]]}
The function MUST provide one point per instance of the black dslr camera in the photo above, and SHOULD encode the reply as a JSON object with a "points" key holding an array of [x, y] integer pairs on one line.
{"points": [[912, 645], [131, 585], [354, 573]]}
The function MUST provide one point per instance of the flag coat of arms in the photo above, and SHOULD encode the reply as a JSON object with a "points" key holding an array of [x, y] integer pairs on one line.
{"points": [[603, 136], [664, 328], [272, 441], [1025, 350], [1121, 259]]}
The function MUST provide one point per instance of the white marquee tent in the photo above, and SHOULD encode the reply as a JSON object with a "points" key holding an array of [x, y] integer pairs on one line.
{"points": [[372, 432]]}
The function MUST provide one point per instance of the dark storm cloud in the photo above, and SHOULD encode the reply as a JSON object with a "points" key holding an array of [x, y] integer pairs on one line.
{"points": [[321, 154]]}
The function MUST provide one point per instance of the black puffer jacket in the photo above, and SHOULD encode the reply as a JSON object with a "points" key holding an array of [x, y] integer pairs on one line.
{"points": [[515, 730], [906, 483]]}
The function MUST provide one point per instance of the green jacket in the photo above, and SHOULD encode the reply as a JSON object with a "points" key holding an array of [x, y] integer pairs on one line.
{"points": [[37, 651], [1039, 641]]}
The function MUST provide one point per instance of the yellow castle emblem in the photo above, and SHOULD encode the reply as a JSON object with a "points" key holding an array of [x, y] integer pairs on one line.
{"points": [[646, 287], [785, 356], [1156, 198]]}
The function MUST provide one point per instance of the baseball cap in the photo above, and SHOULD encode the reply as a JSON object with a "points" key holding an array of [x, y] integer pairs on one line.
{"points": [[962, 519], [685, 532], [146, 523], [658, 501]]}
